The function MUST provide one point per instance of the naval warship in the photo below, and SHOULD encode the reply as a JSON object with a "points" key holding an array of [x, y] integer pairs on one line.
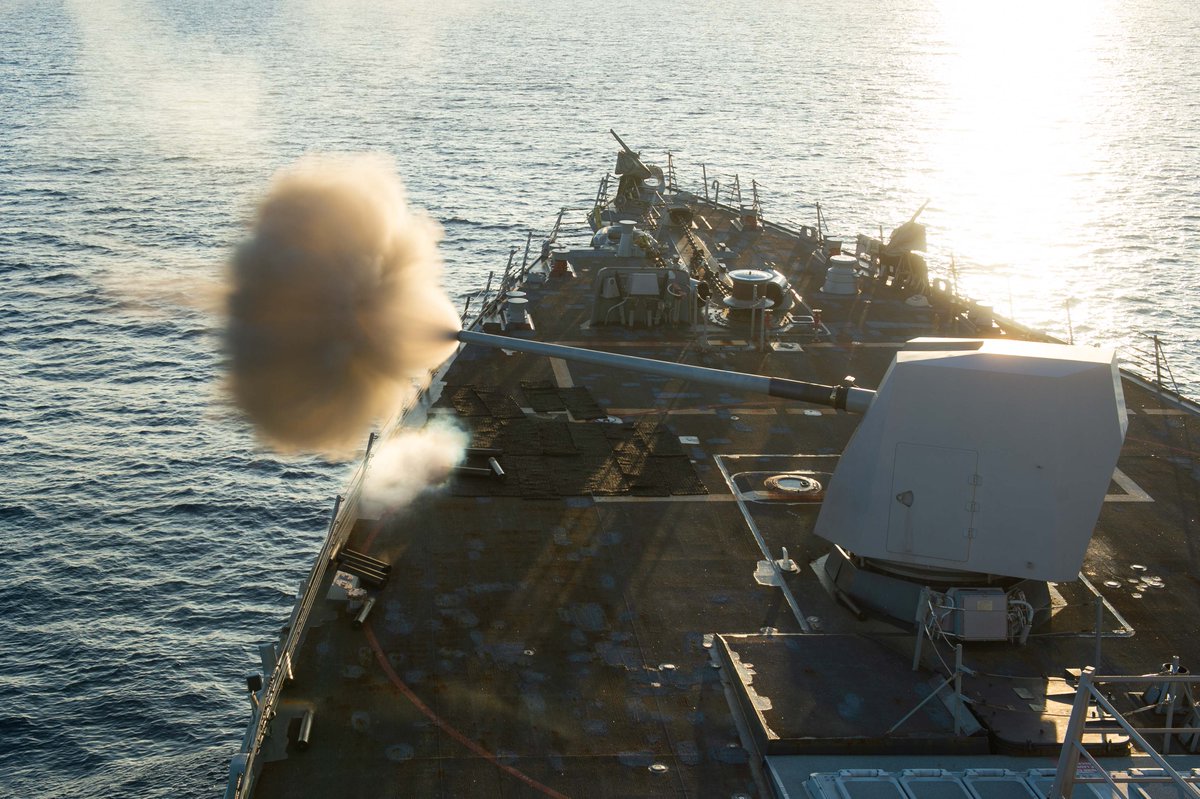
{"points": [[751, 511]]}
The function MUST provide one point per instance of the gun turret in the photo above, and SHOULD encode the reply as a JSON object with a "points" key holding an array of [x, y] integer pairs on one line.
{"points": [[957, 429]]}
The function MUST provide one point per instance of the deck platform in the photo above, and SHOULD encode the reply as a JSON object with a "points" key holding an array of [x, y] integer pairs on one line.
{"points": [[552, 633]]}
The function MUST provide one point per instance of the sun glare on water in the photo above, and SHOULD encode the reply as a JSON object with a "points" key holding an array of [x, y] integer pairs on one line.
{"points": [[1018, 155]]}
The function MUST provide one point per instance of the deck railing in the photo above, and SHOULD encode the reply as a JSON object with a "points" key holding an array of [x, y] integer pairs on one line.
{"points": [[246, 764], [345, 513], [1068, 773], [1148, 358]]}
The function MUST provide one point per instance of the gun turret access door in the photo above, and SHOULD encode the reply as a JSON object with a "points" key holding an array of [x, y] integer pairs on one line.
{"points": [[933, 502]]}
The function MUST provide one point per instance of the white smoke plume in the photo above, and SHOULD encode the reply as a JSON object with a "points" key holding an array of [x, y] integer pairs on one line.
{"points": [[410, 463], [336, 312]]}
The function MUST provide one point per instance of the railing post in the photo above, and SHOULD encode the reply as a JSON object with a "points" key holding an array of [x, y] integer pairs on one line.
{"points": [[557, 224], [512, 253], [1157, 364], [1068, 761], [1172, 700], [959, 706], [525, 258], [337, 508]]}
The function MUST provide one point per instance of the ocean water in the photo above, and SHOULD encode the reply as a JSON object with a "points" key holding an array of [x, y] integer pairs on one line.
{"points": [[151, 543]]}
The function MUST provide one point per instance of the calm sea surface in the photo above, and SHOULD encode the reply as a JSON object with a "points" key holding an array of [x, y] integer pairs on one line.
{"points": [[150, 543]]}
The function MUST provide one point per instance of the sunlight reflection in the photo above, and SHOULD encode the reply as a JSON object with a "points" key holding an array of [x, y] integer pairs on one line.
{"points": [[1019, 150]]}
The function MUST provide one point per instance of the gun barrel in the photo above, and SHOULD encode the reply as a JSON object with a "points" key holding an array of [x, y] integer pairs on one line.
{"points": [[844, 397], [621, 142]]}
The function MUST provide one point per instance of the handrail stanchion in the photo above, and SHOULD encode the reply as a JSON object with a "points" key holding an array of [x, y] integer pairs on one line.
{"points": [[1068, 760]]}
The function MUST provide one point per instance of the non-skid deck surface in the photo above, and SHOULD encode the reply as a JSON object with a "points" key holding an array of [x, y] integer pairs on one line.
{"points": [[549, 634]]}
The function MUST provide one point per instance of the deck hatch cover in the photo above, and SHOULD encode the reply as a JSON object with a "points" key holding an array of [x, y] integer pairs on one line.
{"points": [[883, 788], [1000, 787], [936, 788]]}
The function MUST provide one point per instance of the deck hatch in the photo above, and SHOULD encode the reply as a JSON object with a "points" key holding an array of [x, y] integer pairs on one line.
{"points": [[934, 508]]}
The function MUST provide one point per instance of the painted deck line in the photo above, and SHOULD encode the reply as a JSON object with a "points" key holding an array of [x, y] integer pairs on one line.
{"points": [[602, 344], [775, 499], [562, 374], [1126, 629], [873, 345], [1165, 412], [694, 411], [1133, 492], [668, 411], [800, 616], [682, 498]]}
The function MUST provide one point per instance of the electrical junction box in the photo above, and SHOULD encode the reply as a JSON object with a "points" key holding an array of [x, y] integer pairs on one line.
{"points": [[980, 614]]}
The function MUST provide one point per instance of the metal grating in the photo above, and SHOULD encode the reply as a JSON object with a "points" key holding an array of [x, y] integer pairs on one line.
{"points": [[547, 458]]}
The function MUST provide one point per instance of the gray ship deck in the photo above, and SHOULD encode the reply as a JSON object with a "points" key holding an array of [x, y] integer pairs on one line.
{"points": [[553, 633]]}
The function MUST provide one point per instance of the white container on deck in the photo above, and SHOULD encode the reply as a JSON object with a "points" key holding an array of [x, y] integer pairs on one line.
{"points": [[842, 276]]}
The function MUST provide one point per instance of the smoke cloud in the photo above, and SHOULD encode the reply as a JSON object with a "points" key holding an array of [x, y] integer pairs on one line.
{"points": [[336, 312], [410, 463]]}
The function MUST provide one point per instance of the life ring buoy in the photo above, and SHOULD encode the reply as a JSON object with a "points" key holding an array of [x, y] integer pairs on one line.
{"points": [[675, 290]]}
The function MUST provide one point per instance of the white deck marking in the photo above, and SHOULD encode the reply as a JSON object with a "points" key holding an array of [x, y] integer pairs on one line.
{"points": [[600, 345], [871, 345], [694, 411], [562, 374], [1133, 492], [671, 412], [681, 498], [1165, 412], [799, 614], [1125, 630]]}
